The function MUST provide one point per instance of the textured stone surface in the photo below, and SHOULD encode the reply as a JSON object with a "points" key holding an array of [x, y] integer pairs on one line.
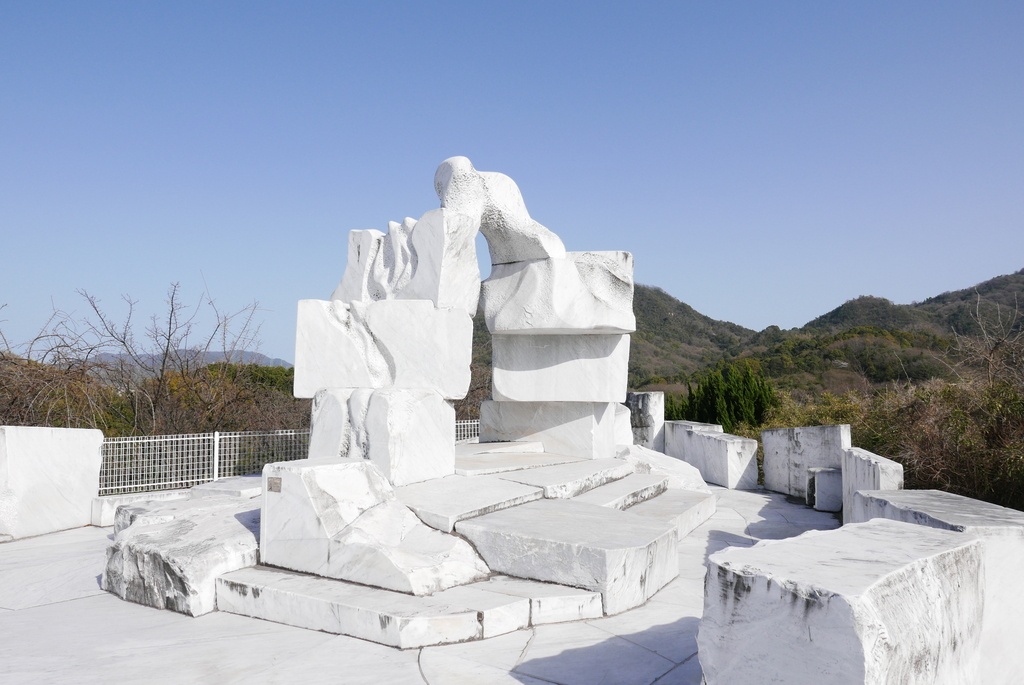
{"points": [[442, 502], [48, 479], [572, 479], [623, 429], [626, 558], [625, 492], [368, 345], [647, 419], [408, 434], [245, 487], [560, 368], [430, 259], [825, 489], [863, 470], [1001, 531], [484, 463], [723, 459], [685, 509], [105, 508], [169, 554], [573, 429], [681, 475], [341, 520], [789, 452], [880, 602], [494, 200], [468, 449], [584, 293], [549, 602]]}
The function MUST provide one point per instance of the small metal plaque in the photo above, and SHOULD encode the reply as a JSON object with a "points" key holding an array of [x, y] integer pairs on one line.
{"points": [[274, 484]]}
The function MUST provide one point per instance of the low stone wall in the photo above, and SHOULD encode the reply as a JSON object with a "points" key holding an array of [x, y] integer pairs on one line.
{"points": [[863, 470], [722, 459], [790, 452]]}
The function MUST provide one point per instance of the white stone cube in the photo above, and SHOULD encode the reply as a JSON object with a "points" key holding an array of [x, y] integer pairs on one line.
{"points": [[573, 429], [789, 452], [825, 489], [722, 459]]}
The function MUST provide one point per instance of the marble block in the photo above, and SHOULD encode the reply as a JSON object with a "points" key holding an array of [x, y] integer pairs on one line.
{"points": [[1001, 531], [105, 508], [684, 509], [559, 368], [722, 459], [789, 452], [573, 429], [863, 470], [246, 487], [583, 293], [549, 603], [171, 553], [569, 480], [681, 475], [408, 434], [623, 429], [430, 259], [647, 419], [625, 492], [626, 558], [442, 502], [825, 489], [341, 520], [368, 345], [865, 604], [494, 199], [48, 479]]}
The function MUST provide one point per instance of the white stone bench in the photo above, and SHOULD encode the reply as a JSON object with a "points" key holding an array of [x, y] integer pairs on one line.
{"points": [[722, 459]]}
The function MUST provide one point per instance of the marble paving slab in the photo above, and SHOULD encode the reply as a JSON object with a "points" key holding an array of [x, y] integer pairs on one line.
{"points": [[503, 462], [442, 502], [626, 492], [570, 480]]}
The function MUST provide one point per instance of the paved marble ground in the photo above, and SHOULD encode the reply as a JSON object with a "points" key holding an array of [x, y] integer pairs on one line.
{"points": [[57, 626]]}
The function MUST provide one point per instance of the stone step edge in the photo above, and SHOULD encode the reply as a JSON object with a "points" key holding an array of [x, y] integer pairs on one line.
{"points": [[638, 495]]}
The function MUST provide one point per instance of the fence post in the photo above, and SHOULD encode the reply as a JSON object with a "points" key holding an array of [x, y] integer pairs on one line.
{"points": [[216, 454]]}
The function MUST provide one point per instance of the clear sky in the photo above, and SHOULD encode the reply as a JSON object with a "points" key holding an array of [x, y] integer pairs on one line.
{"points": [[763, 161]]}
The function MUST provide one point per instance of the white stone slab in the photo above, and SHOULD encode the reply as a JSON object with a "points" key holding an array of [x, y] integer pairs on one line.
{"points": [[245, 487], [549, 602], [389, 618], [825, 489], [495, 201], [104, 508], [368, 345], [471, 448], [685, 509], [880, 602], [574, 429], [48, 479], [408, 434], [789, 452], [442, 502], [340, 520], [430, 259], [647, 419], [626, 558], [172, 561], [626, 492], [560, 368], [722, 459], [149, 512], [572, 479], [681, 475], [863, 470], [583, 293], [1002, 533], [499, 612], [502, 462], [623, 429]]}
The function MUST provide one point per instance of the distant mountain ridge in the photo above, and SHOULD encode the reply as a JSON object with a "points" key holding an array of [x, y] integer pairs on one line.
{"points": [[206, 358]]}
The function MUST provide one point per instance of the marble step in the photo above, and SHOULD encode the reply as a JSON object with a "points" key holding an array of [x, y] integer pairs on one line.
{"points": [[572, 479], [626, 492], [487, 463], [390, 618], [245, 487], [549, 602], [469, 448], [625, 557], [442, 502], [686, 509]]}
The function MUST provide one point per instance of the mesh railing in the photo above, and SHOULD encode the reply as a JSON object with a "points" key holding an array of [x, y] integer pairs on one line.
{"points": [[171, 462]]}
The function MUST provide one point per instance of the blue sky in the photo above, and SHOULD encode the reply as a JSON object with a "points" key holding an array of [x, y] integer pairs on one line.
{"points": [[764, 162]]}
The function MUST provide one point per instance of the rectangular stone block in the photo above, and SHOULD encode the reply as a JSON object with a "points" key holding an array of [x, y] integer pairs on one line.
{"points": [[48, 479], [572, 429], [647, 419], [623, 428], [789, 452], [442, 502], [723, 459], [560, 368], [877, 603], [825, 489], [105, 508], [863, 470], [369, 345], [408, 434], [569, 480]]}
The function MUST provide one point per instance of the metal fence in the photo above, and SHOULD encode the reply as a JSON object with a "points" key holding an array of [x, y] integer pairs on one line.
{"points": [[172, 462]]}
